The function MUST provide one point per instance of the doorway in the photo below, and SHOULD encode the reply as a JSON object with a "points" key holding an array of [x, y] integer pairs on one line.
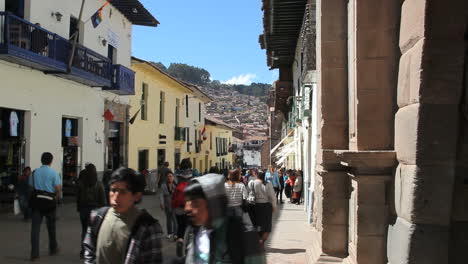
{"points": [[161, 156], [113, 148]]}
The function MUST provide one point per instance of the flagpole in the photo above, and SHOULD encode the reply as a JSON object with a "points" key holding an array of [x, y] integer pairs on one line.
{"points": [[75, 38]]}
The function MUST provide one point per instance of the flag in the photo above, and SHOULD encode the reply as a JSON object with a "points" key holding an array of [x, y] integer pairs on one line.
{"points": [[203, 133], [108, 115], [96, 18], [134, 116]]}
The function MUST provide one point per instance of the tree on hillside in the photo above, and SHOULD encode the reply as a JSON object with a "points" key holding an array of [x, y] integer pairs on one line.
{"points": [[159, 65], [189, 73]]}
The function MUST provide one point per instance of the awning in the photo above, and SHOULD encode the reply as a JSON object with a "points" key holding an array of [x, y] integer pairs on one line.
{"points": [[281, 142], [285, 150], [281, 161]]}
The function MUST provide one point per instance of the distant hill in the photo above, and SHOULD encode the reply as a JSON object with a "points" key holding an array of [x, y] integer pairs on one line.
{"points": [[201, 77]]}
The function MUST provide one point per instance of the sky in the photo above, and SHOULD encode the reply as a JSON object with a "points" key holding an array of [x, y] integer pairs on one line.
{"points": [[217, 35]]}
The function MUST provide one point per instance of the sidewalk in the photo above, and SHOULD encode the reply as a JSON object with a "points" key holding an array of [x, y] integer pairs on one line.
{"points": [[291, 236]]}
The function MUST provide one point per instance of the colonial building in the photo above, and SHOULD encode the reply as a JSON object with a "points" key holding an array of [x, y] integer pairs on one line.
{"points": [[218, 144], [64, 68], [167, 118], [376, 93]]}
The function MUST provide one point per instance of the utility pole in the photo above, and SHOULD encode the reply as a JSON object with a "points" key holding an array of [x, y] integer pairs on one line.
{"points": [[75, 37]]}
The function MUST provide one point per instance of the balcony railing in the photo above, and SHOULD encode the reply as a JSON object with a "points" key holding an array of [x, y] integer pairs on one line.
{"points": [[123, 80], [31, 45], [180, 133]]}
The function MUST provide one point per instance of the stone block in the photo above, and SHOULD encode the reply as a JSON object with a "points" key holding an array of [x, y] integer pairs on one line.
{"points": [[423, 195], [331, 20], [334, 134], [335, 212], [335, 239], [371, 250], [334, 55], [413, 23], [417, 244], [410, 75], [335, 185], [377, 15], [371, 220], [443, 78], [437, 134], [371, 190], [406, 133]]}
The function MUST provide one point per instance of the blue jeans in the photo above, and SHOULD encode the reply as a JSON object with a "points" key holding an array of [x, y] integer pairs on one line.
{"points": [[171, 221], [36, 229], [23, 199]]}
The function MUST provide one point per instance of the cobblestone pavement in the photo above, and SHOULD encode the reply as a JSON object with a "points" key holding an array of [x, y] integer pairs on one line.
{"points": [[15, 235], [286, 245]]}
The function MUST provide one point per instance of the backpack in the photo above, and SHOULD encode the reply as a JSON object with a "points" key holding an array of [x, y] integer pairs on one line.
{"points": [[89, 194], [178, 197]]}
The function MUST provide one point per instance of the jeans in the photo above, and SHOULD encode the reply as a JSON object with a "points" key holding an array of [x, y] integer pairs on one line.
{"points": [[181, 225], [171, 221], [23, 199], [277, 191], [36, 229], [85, 211]]}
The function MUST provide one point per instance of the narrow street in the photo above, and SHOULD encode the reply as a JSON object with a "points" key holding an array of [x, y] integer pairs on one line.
{"points": [[287, 244]]}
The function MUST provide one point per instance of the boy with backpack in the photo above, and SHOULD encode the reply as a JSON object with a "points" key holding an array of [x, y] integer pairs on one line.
{"points": [[123, 233]]}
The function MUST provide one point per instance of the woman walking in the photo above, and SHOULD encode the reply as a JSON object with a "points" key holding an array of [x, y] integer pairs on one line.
{"points": [[90, 196], [236, 193], [265, 204], [167, 188], [297, 188]]}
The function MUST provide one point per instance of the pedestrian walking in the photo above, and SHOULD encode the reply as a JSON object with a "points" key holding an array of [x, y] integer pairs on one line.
{"points": [[281, 178], [265, 204], [90, 195], [178, 201], [272, 177], [297, 188], [23, 190], [47, 186], [213, 236], [123, 233], [167, 189], [163, 174], [236, 194], [105, 182]]}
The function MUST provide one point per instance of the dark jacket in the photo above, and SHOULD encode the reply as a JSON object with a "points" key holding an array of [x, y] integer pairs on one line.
{"points": [[90, 196], [233, 240], [145, 241]]}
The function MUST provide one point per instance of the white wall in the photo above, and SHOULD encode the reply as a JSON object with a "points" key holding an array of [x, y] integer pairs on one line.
{"points": [[252, 157], [47, 99], [39, 11]]}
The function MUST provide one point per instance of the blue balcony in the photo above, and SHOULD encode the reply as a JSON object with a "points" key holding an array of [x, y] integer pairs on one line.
{"points": [[30, 45], [123, 80]]}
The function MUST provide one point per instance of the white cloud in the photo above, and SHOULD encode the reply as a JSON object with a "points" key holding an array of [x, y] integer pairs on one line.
{"points": [[245, 79]]}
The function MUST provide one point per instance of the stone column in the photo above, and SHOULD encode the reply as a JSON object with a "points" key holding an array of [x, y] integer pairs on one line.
{"points": [[331, 206], [426, 129]]}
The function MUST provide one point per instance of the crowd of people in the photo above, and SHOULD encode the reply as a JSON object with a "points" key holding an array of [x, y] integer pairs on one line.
{"points": [[219, 217]]}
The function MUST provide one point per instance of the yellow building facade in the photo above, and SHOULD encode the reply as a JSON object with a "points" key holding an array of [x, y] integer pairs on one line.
{"points": [[166, 114], [216, 147]]}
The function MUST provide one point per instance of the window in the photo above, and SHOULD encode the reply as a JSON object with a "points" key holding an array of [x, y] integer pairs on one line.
{"points": [[186, 106], [112, 53], [211, 140], [177, 109], [162, 98], [188, 139], [143, 159], [74, 30], [199, 112], [144, 101]]}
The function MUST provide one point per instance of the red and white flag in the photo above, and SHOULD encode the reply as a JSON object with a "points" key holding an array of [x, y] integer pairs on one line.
{"points": [[203, 133]]}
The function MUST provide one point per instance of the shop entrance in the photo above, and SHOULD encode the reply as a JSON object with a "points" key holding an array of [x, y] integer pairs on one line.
{"points": [[161, 157], [113, 148], [71, 154], [12, 144], [176, 158]]}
